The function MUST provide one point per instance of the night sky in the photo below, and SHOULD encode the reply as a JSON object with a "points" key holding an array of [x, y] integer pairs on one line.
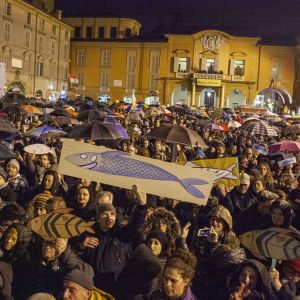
{"points": [[279, 18]]}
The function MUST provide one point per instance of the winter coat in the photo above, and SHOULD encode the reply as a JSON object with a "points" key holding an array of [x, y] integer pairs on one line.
{"points": [[100, 295], [114, 250], [263, 290], [6, 273], [160, 295], [7, 193]]}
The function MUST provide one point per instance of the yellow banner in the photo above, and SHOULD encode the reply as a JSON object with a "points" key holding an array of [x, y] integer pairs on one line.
{"points": [[123, 170], [226, 170], [209, 82]]}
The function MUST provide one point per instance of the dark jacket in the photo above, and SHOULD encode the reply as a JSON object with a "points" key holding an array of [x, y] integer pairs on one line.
{"points": [[6, 273], [114, 250], [8, 194]]}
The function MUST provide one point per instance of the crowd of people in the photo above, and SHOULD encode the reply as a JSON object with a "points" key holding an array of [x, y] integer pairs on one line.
{"points": [[145, 246]]}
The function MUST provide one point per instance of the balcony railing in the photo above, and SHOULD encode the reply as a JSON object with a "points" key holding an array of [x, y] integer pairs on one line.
{"points": [[208, 76]]}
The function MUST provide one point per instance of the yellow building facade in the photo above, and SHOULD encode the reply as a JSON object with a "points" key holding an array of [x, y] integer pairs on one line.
{"points": [[210, 67]]}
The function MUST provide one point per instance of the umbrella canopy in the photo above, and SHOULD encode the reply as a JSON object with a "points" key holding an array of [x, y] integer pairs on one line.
{"points": [[45, 131], [64, 120], [234, 124], [6, 128], [214, 126], [37, 149], [91, 115], [95, 131], [118, 128], [259, 127], [178, 135], [111, 119], [31, 109], [60, 112], [285, 146], [293, 129], [5, 153], [13, 98], [13, 109]]}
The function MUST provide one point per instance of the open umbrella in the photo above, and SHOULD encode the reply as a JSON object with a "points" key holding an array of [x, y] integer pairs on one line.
{"points": [[13, 98], [285, 146], [45, 131], [91, 115], [95, 131], [6, 128], [214, 126], [31, 109], [178, 135], [259, 127], [13, 109], [64, 120], [60, 112], [234, 124], [37, 149], [5, 153]]}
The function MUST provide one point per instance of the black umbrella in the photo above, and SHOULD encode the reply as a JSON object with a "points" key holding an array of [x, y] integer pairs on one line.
{"points": [[95, 131], [13, 98], [6, 128], [91, 115], [60, 112], [178, 135], [5, 153], [13, 109]]}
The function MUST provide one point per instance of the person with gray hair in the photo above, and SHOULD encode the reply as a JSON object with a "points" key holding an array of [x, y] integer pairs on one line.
{"points": [[104, 197], [41, 296]]}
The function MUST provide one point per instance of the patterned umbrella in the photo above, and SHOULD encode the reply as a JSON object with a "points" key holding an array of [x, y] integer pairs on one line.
{"points": [[285, 146], [214, 126], [45, 131], [259, 127]]}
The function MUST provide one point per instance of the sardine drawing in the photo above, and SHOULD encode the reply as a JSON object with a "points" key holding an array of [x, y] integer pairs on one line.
{"points": [[122, 164], [60, 223], [219, 173], [274, 242]]}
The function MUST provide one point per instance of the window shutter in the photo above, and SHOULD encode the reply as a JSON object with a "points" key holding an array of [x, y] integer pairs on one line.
{"points": [[176, 64], [203, 64], [231, 67]]}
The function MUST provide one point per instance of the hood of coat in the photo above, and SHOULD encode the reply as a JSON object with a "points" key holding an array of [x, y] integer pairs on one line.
{"points": [[223, 213], [165, 216]]}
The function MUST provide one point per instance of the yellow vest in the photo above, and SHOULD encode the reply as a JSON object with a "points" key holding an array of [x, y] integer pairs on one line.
{"points": [[100, 295]]}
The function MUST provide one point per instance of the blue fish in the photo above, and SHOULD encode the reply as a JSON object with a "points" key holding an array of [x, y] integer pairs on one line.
{"points": [[121, 164]]}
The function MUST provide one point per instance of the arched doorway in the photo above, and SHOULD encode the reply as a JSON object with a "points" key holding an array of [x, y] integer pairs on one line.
{"points": [[208, 98], [16, 85], [236, 97], [180, 95], [275, 99]]}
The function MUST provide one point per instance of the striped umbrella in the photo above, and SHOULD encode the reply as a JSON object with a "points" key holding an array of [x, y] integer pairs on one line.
{"points": [[259, 127]]}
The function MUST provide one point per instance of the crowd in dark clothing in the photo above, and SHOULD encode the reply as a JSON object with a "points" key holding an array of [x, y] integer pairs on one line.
{"points": [[146, 247]]}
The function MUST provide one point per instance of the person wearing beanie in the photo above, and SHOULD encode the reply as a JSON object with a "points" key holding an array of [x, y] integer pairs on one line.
{"points": [[79, 285], [110, 248], [7, 193], [157, 242], [18, 182]]}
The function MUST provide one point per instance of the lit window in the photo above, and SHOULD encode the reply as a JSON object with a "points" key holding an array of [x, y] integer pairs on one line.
{"points": [[276, 69], [239, 67], [183, 64], [210, 65]]}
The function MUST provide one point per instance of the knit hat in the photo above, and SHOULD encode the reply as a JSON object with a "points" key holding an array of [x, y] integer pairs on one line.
{"points": [[83, 275], [3, 174], [15, 163], [161, 237], [244, 178], [293, 264], [101, 207]]}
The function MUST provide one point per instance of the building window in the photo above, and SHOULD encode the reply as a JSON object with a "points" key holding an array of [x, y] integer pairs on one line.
{"points": [[52, 69], [27, 38], [239, 67], [53, 47], [54, 29], [89, 32], [131, 67], [210, 65], [101, 32], [66, 36], [40, 43], [104, 84], [128, 32], [106, 58], [8, 8], [81, 57], [154, 71], [42, 24], [66, 52], [113, 32], [40, 68], [77, 32], [28, 19], [7, 56], [81, 79], [7, 31], [181, 64], [276, 69]]}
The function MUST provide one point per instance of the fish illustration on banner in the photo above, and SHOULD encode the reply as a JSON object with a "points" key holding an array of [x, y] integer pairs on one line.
{"points": [[274, 242], [60, 223], [225, 170], [123, 169]]}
